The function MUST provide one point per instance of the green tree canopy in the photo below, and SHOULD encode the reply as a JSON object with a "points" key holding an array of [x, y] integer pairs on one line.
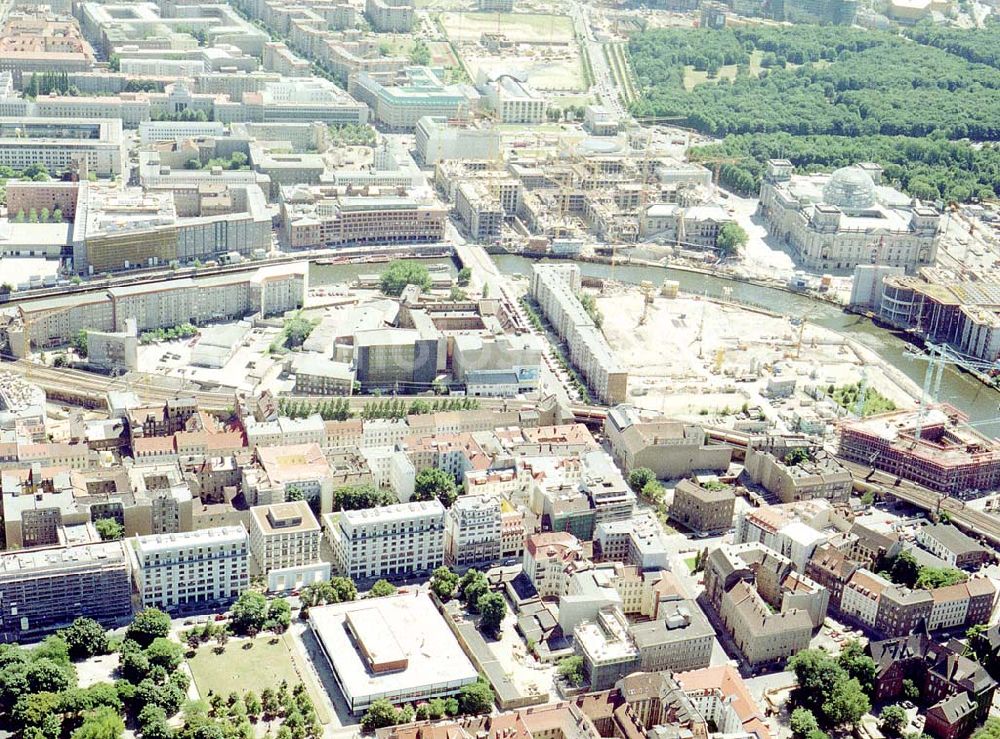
{"points": [[382, 589], [147, 626], [249, 613], [434, 483], [165, 653], [360, 497], [401, 273], [893, 720], [803, 723], [826, 689], [731, 239], [109, 529], [476, 697], [640, 477], [492, 608], [444, 582], [381, 713], [571, 669], [101, 723], [858, 665], [472, 587]]}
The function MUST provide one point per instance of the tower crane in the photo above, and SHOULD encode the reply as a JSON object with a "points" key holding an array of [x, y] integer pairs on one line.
{"points": [[937, 357]]}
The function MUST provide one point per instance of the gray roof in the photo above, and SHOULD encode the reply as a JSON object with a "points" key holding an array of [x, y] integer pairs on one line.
{"points": [[680, 621], [952, 539], [956, 707]]}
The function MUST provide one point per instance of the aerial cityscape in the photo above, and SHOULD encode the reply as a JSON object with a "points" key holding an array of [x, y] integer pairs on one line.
{"points": [[499, 369]]}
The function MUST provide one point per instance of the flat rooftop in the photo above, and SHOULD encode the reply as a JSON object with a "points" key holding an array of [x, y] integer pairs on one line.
{"points": [[434, 661], [285, 518]]}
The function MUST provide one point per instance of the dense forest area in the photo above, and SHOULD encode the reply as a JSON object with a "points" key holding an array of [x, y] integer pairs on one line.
{"points": [[980, 45], [928, 168], [824, 97]]}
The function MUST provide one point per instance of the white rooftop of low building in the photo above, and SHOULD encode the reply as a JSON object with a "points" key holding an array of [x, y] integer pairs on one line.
{"points": [[433, 654]]}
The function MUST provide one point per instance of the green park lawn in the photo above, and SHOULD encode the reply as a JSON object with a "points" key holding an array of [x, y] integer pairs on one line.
{"points": [[264, 665]]}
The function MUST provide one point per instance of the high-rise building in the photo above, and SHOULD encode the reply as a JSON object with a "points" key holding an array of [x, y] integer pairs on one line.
{"points": [[284, 542], [192, 570], [43, 590], [473, 532], [393, 541]]}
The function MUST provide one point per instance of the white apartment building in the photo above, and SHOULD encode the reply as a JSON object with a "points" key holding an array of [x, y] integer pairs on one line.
{"points": [[163, 67], [438, 137], [514, 100], [555, 287], [153, 131], [402, 476], [949, 607], [638, 541], [472, 532], [392, 542], [384, 432], [283, 431], [284, 542], [192, 570], [56, 143], [504, 482], [861, 596]]}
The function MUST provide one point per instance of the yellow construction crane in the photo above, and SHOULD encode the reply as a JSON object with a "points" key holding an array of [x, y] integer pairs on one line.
{"points": [[646, 287], [720, 356]]}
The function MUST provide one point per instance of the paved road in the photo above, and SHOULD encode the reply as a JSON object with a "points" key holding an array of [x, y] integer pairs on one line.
{"points": [[604, 85], [485, 270]]}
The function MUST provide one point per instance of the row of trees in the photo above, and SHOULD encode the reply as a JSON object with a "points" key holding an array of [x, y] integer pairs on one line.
{"points": [[475, 698], [187, 115], [36, 216], [332, 409], [48, 83], [399, 408], [339, 409]]}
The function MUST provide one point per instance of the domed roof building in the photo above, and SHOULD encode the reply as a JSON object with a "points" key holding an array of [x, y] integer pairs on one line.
{"points": [[848, 218], [850, 188]]}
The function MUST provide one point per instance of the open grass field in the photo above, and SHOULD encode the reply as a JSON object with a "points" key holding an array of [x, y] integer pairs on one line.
{"points": [[518, 27], [693, 77], [264, 665]]}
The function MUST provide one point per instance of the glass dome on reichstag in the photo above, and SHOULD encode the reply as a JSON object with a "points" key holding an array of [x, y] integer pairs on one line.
{"points": [[850, 188]]}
